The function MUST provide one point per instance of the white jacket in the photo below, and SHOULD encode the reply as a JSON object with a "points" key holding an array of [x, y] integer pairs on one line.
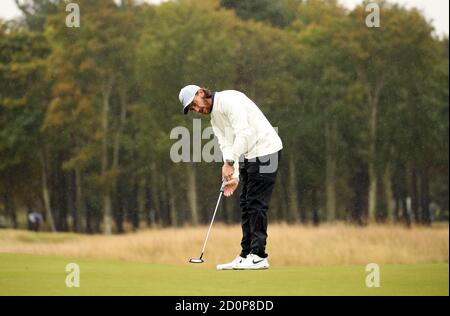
{"points": [[241, 128]]}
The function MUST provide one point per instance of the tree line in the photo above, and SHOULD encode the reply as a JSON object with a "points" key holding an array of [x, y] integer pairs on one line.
{"points": [[86, 113]]}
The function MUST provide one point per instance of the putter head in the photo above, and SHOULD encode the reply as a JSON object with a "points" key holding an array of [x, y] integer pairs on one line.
{"points": [[196, 261]]}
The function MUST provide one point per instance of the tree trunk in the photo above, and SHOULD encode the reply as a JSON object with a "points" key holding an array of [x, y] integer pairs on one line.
{"points": [[60, 196], [373, 178], [134, 215], [122, 121], [72, 217], [373, 183], [107, 217], [414, 193], [121, 202], [154, 183], [276, 204], [107, 204], [116, 161], [293, 192], [401, 189], [407, 211], [10, 208], [359, 183], [192, 194], [141, 200], [45, 191], [79, 205], [315, 207], [283, 211], [330, 182], [301, 206], [150, 205], [172, 202], [425, 195], [397, 209], [164, 201], [389, 196]]}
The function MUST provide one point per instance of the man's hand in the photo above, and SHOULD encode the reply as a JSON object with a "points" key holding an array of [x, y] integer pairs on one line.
{"points": [[227, 171], [230, 187]]}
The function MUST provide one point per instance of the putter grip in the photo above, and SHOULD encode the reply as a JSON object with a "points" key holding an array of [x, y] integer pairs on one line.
{"points": [[222, 188]]}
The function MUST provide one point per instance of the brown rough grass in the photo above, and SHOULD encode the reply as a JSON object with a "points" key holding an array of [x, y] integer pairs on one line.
{"points": [[336, 244]]}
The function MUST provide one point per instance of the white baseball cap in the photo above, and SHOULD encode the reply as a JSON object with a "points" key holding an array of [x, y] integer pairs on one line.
{"points": [[187, 95]]}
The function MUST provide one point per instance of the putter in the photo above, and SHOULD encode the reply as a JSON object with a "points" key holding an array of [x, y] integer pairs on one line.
{"points": [[200, 259]]}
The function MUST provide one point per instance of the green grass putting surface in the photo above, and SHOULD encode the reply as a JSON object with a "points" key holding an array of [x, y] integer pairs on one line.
{"points": [[44, 275]]}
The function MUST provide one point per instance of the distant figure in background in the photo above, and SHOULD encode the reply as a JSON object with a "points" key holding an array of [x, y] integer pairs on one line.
{"points": [[35, 219]]}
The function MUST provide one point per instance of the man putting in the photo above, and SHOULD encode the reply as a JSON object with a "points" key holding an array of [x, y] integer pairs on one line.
{"points": [[242, 129]]}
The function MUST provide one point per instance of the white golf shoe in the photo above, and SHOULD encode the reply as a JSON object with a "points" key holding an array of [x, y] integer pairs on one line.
{"points": [[252, 262], [230, 265]]}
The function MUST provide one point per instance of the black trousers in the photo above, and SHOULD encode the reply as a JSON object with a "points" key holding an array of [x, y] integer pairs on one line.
{"points": [[257, 177]]}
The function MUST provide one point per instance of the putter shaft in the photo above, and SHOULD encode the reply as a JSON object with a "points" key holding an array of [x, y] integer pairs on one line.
{"points": [[200, 260], [212, 221]]}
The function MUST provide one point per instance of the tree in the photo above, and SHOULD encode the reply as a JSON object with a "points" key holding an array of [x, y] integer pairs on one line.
{"points": [[22, 105], [36, 12], [379, 54], [326, 78], [278, 13], [106, 64]]}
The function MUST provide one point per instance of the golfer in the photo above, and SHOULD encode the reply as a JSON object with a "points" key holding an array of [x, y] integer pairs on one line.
{"points": [[242, 129]]}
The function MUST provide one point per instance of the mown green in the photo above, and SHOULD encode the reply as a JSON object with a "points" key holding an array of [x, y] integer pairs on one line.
{"points": [[45, 275]]}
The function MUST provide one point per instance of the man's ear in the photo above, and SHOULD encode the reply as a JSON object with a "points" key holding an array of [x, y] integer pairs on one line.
{"points": [[201, 93]]}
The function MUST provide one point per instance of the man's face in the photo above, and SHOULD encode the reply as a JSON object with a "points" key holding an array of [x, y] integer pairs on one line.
{"points": [[201, 104]]}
